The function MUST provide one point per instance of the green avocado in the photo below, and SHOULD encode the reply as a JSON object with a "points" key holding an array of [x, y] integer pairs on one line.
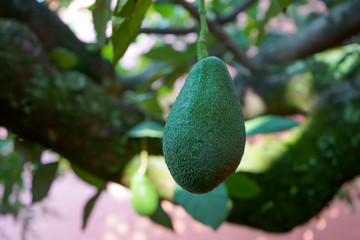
{"points": [[204, 134], [144, 198]]}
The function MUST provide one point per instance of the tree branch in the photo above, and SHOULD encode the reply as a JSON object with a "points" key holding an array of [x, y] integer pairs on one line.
{"points": [[53, 33], [314, 168], [324, 32], [176, 31], [221, 20], [216, 29], [64, 111]]}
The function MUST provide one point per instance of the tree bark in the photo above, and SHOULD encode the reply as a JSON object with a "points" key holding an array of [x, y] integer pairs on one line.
{"points": [[53, 33], [324, 32], [64, 111], [307, 176]]}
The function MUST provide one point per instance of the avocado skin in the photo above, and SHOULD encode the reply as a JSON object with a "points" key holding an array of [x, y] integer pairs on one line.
{"points": [[204, 135]]}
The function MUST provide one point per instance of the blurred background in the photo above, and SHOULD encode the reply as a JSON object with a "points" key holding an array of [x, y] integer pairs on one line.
{"points": [[69, 149]]}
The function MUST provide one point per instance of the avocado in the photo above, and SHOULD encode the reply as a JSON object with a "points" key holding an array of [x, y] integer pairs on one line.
{"points": [[204, 134], [145, 199]]}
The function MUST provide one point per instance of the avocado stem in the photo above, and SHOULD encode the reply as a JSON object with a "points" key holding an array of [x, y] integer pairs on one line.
{"points": [[144, 156], [204, 31]]}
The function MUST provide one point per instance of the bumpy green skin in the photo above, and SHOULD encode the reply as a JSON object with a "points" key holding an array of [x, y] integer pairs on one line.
{"points": [[204, 135]]}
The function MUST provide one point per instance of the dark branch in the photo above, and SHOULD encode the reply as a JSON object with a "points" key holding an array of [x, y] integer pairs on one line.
{"points": [[176, 31], [53, 33], [64, 111], [324, 32]]}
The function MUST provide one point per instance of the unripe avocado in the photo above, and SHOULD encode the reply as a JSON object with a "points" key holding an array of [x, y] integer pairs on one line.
{"points": [[204, 135], [144, 199]]}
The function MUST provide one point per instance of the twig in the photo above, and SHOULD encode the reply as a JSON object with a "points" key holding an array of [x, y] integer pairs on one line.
{"points": [[169, 30], [217, 30]]}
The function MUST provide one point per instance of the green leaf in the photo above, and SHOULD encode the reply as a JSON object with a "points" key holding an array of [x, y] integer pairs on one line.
{"points": [[147, 102], [268, 124], [166, 53], [29, 151], [89, 178], [344, 195], [11, 168], [162, 218], [42, 179], [241, 186], [166, 10], [273, 10], [127, 18], [101, 16], [209, 208], [147, 129], [89, 207], [63, 58]]}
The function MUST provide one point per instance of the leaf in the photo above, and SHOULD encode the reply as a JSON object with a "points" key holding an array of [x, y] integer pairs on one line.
{"points": [[241, 186], [147, 102], [162, 218], [89, 178], [63, 58], [147, 129], [273, 10], [11, 168], [344, 195], [268, 124], [89, 207], [127, 18], [167, 54], [29, 151], [42, 179], [101, 16], [166, 10], [209, 208]]}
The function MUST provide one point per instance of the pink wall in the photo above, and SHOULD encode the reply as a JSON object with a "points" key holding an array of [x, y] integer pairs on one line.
{"points": [[59, 218]]}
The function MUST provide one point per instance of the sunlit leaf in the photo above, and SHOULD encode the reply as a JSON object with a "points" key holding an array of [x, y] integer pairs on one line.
{"points": [[63, 58], [241, 186], [165, 9], [268, 124], [127, 18], [101, 16], [209, 208], [147, 129], [42, 180], [89, 207]]}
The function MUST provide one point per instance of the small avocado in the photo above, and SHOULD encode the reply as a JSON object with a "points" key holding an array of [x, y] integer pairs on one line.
{"points": [[204, 134], [145, 199]]}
